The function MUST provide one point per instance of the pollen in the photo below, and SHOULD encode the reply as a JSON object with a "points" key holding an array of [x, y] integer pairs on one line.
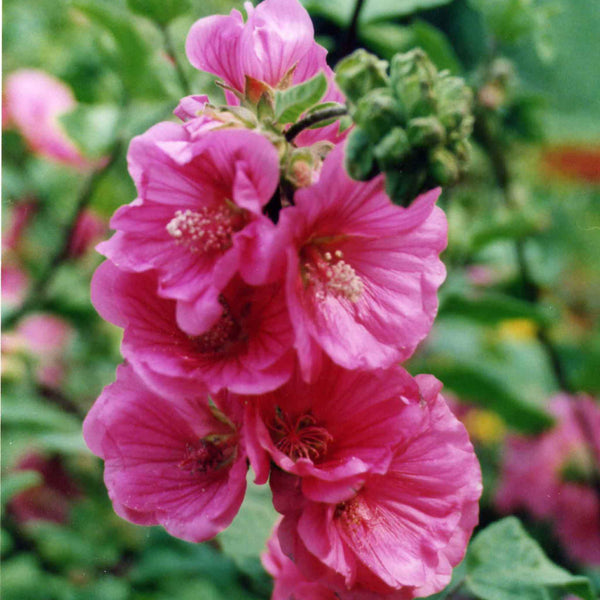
{"points": [[208, 454], [300, 437], [329, 274], [208, 229]]}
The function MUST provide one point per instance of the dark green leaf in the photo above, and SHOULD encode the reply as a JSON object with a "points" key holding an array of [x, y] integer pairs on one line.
{"points": [[291, 103], [159, 11], [492, 308], [504, 563]]}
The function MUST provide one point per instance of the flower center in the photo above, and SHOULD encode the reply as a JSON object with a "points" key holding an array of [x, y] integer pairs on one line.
{"points": [[300, 437], [222, 335], [209, 229], [328, 273], [210, 453], [354, 512]]}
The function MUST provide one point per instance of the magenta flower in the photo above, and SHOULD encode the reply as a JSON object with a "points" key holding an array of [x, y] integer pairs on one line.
{"points": [[275, 47], [404, 530], [333, 432], [33, 101], [277, 36], [546, 475], [177, 464], [89, 229], [198, 212], [289, 581], [362, 273], [246, 348]]}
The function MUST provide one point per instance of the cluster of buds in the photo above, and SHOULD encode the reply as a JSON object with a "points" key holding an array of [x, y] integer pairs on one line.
{"points": [[412, 124]]}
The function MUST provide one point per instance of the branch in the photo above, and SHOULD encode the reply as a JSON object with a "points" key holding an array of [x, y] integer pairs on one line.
{"points": [[317, 117], [353, 27]]}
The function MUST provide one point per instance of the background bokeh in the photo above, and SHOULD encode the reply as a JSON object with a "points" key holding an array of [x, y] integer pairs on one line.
{"points": [[519, 317]]}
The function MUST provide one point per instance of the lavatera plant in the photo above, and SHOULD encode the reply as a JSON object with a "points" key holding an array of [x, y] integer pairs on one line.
{"points": [[267, 298]]}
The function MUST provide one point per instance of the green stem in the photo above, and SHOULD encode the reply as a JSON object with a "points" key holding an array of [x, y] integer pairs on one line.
{"points": [[317, 117], [353, 27]]}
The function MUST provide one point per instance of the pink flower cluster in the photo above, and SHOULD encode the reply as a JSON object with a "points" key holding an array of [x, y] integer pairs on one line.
{"points": [[272, 338], [551, 476]]}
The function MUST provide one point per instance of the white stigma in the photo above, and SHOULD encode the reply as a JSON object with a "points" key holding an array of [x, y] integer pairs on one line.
{"points": [[204, 230]]}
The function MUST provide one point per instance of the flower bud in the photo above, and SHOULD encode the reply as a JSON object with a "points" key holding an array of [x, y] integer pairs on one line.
{"points": [[425, 131], [359, 73], [443, 166]]}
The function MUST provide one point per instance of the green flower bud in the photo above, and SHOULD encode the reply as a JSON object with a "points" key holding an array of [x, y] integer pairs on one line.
{"points": [[425, 132], [359, 73], [392, 149], [443, 166], [377, 113], [360, 162], [412, 79]]}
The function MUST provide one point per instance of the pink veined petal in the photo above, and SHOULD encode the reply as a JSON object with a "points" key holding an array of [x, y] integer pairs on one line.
{"points": [[277, 35], [191, 107], [214, 44]]}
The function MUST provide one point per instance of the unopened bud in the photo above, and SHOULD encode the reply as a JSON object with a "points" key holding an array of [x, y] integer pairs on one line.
{"points": [[301, 168], [425, 132], [392, 149], [377, 113], [443, 166], [359, 73]]}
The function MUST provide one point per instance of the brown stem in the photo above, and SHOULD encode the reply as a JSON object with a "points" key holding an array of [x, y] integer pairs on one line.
{"points": [[317, 117]]}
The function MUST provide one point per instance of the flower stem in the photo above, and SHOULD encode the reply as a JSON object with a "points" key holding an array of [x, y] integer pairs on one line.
{"points": [[353, 28], [317, 117]]}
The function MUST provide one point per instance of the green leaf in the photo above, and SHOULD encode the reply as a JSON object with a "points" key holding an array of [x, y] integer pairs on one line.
{"points": [[18, 481], [246, 537], [492, 308], [133, 50], [474, 385], [34, 415], [504, 563], [291, 103], [64, 443], [159, 11], [92, 128]]}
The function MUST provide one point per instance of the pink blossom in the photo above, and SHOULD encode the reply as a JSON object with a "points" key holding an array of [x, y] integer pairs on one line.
{"points": [[332, 432], [534, 470], [33, 101], [275, 47], [276, 36], [362, 273], [51, 499], [44, 338], [290, 584], [89, 229], [245, 348], [19, 218], [15, 283], [402, 531], [177, 464], [198, 217]]}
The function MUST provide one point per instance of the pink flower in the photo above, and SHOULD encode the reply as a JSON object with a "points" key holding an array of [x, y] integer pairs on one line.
{"points": [[246, 348], [535, 468], [333, 432], [198, 217], [362, 273], [402, 531], [33, 101], [177, 464], [44, 338], [277, 36], [290, 584], [51, 499], [89, 229], [275, 47], [14, 284]]}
